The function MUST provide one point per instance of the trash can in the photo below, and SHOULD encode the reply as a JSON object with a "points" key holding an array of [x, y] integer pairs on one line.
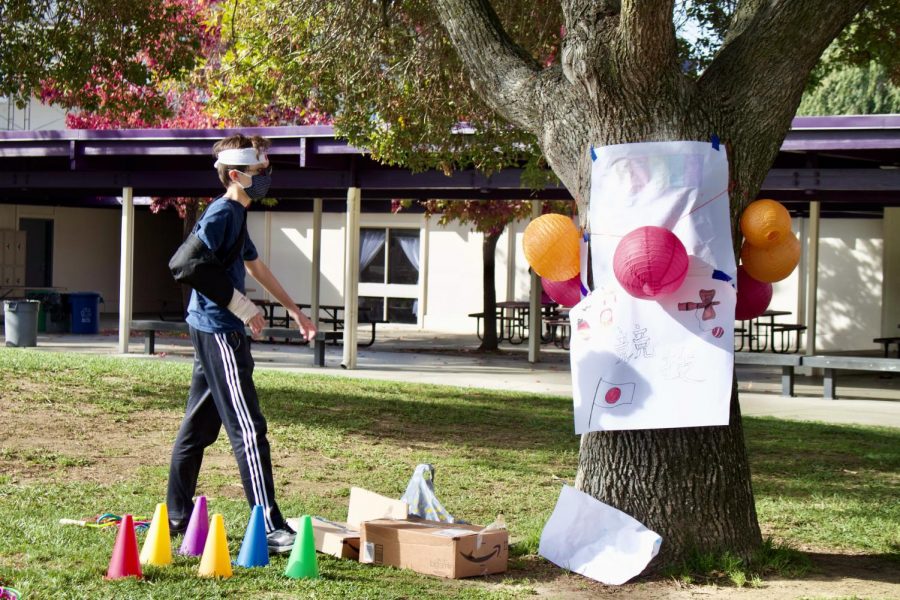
{"points": [[85, 312], [57, 313], [20, 318]]}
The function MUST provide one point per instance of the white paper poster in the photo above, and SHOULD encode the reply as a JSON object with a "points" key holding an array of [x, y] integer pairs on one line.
{"points": [[596, 540], [659, 363]]}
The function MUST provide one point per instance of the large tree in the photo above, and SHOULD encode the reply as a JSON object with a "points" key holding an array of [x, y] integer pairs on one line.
{"points": [[620, 81], [552, 77]]}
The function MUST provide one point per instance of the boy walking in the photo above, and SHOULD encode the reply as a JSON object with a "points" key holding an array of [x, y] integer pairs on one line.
{"points": [[222, 390]]}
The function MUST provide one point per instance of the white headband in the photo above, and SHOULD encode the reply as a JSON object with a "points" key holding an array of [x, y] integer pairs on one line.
{"points": [[239, 157]]}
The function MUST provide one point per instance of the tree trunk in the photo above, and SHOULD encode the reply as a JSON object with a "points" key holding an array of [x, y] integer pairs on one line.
{"points": [[619, 82], [489, 342], [187, 226]]}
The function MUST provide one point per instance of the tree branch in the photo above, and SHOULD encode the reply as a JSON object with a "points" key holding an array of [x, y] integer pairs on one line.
{"points": [[647, 35], [756, 80], [501, 72]]}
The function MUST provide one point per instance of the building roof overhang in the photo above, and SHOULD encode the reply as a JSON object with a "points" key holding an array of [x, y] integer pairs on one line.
{"points": [[850, 163]]}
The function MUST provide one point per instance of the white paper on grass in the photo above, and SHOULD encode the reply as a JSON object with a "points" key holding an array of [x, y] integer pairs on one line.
{"points": [[652, 364], [596, 540]]}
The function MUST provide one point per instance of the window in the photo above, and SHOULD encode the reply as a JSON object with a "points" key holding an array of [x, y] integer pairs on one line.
{"points": [[389, 273]]}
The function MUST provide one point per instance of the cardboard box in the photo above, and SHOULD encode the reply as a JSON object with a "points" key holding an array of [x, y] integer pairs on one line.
{"points": [[442, 549], [342, 539]]}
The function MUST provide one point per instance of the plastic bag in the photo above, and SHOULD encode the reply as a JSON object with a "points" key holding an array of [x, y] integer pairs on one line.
{"points": [[419, 495]]}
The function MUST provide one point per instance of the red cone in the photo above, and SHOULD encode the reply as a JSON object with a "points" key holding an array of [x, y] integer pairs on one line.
{"points": [[124, 561]]}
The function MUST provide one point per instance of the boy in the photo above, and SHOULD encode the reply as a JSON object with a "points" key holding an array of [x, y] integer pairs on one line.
{"points": [[222, 389]]}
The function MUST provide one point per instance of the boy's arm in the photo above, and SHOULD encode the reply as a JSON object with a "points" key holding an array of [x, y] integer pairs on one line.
{"points": [[261, 273]]}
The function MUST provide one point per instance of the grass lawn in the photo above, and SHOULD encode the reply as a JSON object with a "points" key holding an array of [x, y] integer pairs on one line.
{"points": [[86, 435]]}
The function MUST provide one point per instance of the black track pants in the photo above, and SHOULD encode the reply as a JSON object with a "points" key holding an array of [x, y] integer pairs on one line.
{"points": [[222, 391]]}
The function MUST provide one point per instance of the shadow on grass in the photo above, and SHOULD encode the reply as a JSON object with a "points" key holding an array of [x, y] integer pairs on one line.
{"points": [[421, 413]]}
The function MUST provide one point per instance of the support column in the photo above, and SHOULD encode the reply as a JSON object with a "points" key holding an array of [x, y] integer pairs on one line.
{"points": [[314, 286], [351, 277], [126, 261], [812, 275], [534, 298]]}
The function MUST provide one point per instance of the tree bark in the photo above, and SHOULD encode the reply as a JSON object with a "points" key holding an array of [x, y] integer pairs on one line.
{"points": [[489, 342], [619, 82]]}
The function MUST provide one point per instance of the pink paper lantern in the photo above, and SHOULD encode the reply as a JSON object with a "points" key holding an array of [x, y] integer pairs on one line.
{"points": [[753, 296], [564, 293], [650, 262]]}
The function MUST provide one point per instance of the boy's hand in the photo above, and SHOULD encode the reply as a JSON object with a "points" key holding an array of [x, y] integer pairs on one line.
{"points": [[256, 325], [306, 325]]}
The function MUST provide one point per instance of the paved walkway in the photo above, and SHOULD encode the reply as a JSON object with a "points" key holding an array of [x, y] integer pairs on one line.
{"points": [[450, 359]]}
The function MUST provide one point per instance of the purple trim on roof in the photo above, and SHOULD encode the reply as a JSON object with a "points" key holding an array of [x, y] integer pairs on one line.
{"points": [[847, 122]]}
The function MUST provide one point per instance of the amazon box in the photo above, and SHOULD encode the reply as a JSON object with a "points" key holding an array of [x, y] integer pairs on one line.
{"points": [[442, 549]]}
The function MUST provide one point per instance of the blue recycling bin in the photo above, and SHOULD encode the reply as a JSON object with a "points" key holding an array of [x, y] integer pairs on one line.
{"points": [[85, 312]]}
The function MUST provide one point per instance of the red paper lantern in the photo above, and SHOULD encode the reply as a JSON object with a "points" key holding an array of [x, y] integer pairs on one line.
{"points": [[650, 262], [564, 293], [753, 296]]}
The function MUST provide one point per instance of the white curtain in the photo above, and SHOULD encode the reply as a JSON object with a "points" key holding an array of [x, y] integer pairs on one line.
{"points": [[410, 247], [370, 242]]}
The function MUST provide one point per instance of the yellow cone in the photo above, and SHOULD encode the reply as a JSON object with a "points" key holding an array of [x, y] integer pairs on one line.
{"points": [[157, 548], [216, 561]]}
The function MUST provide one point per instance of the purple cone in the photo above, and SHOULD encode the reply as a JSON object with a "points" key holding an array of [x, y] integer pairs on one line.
{"points": [[197, 530]]}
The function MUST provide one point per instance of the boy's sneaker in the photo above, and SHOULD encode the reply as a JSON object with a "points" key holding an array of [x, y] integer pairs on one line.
{"points": [[177, 527], [281, 540]]}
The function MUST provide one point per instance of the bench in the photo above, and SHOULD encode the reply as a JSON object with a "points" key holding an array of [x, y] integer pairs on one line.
{"points": [[886, 342], [831, 364], [151, 327], [560, 331], [787, 362]]}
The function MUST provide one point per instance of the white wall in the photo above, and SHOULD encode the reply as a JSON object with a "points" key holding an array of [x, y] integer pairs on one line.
{"points": [[890, 305], [86, 257], [86, 244]]}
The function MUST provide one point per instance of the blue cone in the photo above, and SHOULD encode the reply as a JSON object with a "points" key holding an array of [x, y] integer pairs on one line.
{"points": [[254, 550]]}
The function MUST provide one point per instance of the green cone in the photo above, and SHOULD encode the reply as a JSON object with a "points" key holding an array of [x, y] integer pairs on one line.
{"points": [[302, 564]]}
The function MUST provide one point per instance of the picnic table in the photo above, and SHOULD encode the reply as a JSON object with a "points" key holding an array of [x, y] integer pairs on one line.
{"points": [[512, 321], [329, 314], [765, 333]]}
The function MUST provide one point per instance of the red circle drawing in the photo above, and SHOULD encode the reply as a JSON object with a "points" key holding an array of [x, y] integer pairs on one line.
{"points": [[718, 332], [613, 395]]}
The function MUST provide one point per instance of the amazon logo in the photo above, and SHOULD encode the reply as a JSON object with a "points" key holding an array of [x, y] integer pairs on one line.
{"points": [[472, 558]]}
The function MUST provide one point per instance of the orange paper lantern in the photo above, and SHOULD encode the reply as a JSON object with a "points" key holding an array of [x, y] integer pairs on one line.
{"points": [[765, 223], [551, 247], [771, 264]]}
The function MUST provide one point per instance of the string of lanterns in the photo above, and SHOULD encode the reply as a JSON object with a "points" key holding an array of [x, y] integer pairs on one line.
{"points": [[651, 262]]}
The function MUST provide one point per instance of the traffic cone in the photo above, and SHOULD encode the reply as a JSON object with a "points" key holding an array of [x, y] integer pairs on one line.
{"points": [[157, 549], [302, 563], [124, 561], [197, 530], [254, 549], [216, 561]]}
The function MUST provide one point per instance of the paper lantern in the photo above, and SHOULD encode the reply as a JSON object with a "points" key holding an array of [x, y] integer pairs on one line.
{"points": [[551, 245], [650, 262], [564, 293], [765, 223], [753, 296], [774, 263]]}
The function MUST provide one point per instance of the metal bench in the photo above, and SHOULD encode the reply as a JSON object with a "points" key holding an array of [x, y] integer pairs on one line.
{"points": [[832, 364], [151, 327], [886, 342], [787, 362]]}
